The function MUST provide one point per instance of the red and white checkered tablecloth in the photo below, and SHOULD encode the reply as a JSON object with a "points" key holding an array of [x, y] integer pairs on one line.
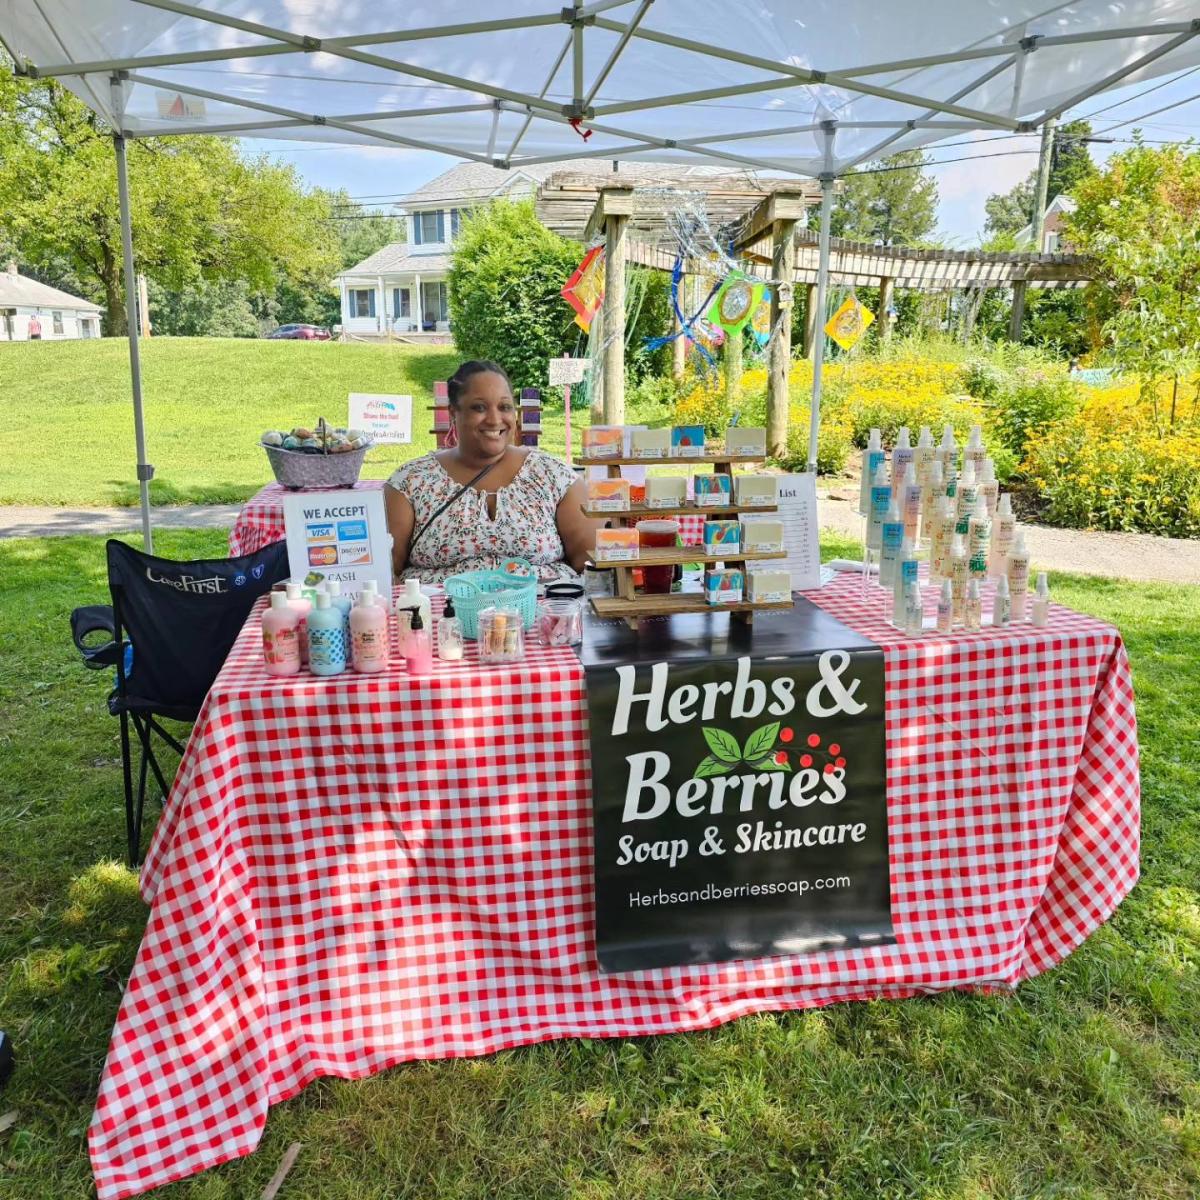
{"points": [[261, 520], [361, 871]]}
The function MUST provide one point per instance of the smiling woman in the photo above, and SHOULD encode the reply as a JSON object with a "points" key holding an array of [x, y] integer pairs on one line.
{"points": [[484, 500]]}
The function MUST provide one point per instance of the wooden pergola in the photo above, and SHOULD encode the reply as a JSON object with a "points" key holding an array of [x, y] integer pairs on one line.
{"points": [[765, 220]]}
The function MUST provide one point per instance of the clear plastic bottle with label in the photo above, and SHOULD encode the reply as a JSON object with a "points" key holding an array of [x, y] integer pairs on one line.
{"points": [[902, 455], [907, 574], [973, 607], [873, 457], [958, 577], [923, 455], [979, 540], [989, 486], [975, 452], [881, 497], [1002, 604], [932, 491], [910, 503], [891, 542], [945, 608], [1041, 602], [1018, 577], [965, 497], [449, 634], [1004, 529], [914, 616]]}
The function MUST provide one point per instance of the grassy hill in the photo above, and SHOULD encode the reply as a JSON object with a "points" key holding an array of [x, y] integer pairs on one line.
{"points": [[68, 434]]}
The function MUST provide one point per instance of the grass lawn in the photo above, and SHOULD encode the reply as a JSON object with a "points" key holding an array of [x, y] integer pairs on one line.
{"points": [[68, 437], [1084, 1084]]}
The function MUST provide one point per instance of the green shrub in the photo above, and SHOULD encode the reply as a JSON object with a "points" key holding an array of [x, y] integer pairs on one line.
{"points": [[1026, 403]]}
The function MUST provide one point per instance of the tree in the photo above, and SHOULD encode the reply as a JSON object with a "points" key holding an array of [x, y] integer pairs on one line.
{"points": [[896, 206], [1070, 163], [202, 309], [1139, 222], [200, 210]]}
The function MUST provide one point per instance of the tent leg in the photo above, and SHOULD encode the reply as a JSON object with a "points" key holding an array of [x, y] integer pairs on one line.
{"points": [[818, 348], [145, 472]]}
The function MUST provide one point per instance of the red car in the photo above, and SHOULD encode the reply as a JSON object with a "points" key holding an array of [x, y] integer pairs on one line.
{"points": [[303, 333]]}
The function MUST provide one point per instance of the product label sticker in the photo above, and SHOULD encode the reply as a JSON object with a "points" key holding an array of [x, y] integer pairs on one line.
{"points": [[320, 533], [352, 531], [616, 553], [609, 504], [322, 556], [354, 554]]}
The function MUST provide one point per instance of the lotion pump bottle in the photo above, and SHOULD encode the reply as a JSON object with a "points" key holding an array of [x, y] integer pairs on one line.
{"points": [[326, 641], [281, 637], [302, 605], [369, 634], [449, 634], [419, 657], [1041, 601]]}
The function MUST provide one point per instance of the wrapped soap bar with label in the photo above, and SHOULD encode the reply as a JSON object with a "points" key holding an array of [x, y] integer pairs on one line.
{"points": [[746, 440], [616, 545], [762, 536], [687, 441], [770, 587], [756, 491], [724, 585], [721, 536], [603, 441], [608, 495], [650, 443], [711, 491], [666, 491]]}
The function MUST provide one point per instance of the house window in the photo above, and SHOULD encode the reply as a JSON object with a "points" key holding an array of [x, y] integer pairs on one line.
{"points": [[56, 323], [362, 302], [454, 223], [85, 327], [434, 306], [429, 227], [401, 302]]}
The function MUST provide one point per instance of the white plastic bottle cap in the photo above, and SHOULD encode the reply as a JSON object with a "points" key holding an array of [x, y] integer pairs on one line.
{"points": [[279, 599], [323, 600]]}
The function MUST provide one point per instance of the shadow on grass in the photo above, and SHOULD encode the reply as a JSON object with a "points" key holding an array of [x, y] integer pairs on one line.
{"points": [[125, 493]]}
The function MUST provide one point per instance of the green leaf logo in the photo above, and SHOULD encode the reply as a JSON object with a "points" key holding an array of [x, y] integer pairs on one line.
{"points": [[769, 764], [723, 745], [761, 741], [708, 767]]}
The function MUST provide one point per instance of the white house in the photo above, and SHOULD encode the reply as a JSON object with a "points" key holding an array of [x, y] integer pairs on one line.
{"points": [[31, 310], [1052, 227], [402, 288]]}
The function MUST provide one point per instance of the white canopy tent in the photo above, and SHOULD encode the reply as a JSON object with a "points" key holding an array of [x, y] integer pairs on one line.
{"points": [[811, 87]]}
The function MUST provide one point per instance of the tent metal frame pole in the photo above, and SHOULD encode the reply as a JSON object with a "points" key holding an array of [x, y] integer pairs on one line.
{"points": [[818, 349], [554, 70], [145, 472], [617, 51]]}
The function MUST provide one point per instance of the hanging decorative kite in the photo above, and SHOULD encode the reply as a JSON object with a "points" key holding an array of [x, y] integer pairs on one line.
{"points": [[736, 301], [849, 323], [584, 291], [760, 323]]}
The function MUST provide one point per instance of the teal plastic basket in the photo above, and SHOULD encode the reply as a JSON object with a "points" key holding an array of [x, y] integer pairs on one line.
{"points": [[511, 585]]}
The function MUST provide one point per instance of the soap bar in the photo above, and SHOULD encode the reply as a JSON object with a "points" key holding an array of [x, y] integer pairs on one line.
{"points": [[531, 418], [531, 398], [722, 535], [608, 495], [770, 587], [756, 490], [687, 441], [650, 443], [666, 491], [743, 439], [616, 545], [603, 441], [762, 535], [724, 586], [711, 490]]}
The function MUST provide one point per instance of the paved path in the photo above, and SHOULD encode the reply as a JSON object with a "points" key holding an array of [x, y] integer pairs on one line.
{"points": [[1137, 556]]}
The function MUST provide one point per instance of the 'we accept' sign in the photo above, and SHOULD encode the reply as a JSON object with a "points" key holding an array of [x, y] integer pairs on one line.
{"points": [[739, 807]]}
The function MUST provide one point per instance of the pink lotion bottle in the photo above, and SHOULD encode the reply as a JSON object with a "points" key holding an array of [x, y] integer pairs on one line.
{"points": [[419, 651], [302, 605], [281, 637], [369, 635]]}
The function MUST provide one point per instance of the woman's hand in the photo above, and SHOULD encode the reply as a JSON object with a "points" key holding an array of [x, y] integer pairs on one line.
{"points": [[400, 522], [578, 533]]}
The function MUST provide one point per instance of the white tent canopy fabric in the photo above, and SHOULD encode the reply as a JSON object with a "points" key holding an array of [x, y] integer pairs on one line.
{"points": [[681, 80], [809, 87]]}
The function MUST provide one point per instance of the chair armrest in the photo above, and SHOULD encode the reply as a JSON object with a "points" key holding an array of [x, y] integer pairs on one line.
{"points": [[89, 620]]}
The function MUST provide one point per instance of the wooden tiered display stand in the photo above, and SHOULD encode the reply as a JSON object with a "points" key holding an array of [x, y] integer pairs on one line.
{"points": [[630, 606]]}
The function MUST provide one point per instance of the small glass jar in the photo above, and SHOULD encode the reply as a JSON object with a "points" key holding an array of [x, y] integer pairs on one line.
{"points": [[501, 636], [560, 615]]}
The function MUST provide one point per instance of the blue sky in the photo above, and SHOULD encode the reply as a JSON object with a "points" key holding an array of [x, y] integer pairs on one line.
{"points": [[995, 163]]}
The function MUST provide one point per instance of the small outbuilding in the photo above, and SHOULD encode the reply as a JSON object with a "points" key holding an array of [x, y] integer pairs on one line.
{"points": [[30, 310]]}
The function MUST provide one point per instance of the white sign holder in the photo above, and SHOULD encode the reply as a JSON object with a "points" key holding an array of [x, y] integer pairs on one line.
{"points": [[339, 535], [387, 418]]}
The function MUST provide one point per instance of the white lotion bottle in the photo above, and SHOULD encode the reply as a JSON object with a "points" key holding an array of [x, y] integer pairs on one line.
{"points": [[1002, 604], [1004, 528], [1018, 577]]}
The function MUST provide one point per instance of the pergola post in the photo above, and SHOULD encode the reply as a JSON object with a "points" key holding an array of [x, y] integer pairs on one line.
{"points": [[887, 287], [1017, 316], [810, 318], [783, 271], [814, 416], [611, 214]]}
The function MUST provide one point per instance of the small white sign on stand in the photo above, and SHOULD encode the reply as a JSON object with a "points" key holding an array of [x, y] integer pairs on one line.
{"points": [[339, 535], [388, 419], [566, 371], [798, 514]]}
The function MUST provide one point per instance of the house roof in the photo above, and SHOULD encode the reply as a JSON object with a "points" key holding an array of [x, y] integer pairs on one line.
{"points": [[1061, 203], [475, 182], [398, 257], [21, 291]]}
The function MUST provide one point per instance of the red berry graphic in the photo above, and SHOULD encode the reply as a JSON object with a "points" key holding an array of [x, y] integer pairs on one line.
{"points": [[814, 739], [806, 760], [781, 758], [839, 762], [829, 768], [786, 735], [834, 748]]}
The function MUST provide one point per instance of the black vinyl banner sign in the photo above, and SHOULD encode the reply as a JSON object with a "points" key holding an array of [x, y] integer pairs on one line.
{"points": [[739, 797]]}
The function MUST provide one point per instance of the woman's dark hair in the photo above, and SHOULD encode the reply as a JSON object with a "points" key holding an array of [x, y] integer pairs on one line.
{"points": [[479, 366]]}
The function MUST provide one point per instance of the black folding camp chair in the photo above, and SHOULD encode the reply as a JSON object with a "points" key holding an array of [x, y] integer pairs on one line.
{"points": [[166, 634]]}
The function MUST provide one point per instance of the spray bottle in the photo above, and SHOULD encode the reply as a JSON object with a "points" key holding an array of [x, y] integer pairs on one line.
{"points": [[974, 452], [948, 456], [944, 522], [873, 457], [945, 608], [958, 577], [902, 455], [1004, 528], [881, 497], [910, 502], [964, 500], [933, 491], [914, 616], [979, 540], [906, 576], [973, 608], [1018, 577], [1041, 601], [1002, 604], [989, 487], [923, 455], [891, 539]]}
